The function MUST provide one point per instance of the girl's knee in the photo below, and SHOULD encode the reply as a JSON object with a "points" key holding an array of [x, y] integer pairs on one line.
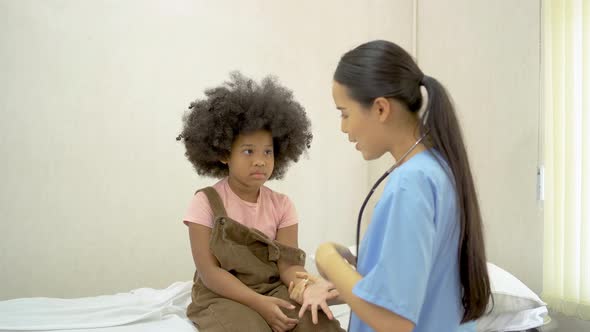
{"points": [[229, 316]]}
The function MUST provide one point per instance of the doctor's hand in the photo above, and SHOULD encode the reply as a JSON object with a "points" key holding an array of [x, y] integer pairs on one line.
{"points": [[346, 254], [330, 251]]}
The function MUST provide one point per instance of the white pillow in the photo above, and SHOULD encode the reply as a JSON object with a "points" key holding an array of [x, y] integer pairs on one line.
{"points": [[513, 321], [516, 307], [510, 294]]}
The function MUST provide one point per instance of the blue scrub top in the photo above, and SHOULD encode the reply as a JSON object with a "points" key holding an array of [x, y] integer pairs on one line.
{"points": [[409, 255]]}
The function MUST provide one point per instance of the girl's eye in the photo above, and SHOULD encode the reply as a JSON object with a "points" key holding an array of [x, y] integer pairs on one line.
{"points": [[343, 116], [268, 152], [248, 152]]}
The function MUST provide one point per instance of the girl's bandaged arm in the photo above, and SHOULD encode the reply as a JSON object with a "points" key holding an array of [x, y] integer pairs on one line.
{"points": [[215, 278]]}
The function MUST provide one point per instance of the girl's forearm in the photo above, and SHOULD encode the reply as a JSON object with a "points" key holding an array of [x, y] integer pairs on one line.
{"points": [[288, 273]]}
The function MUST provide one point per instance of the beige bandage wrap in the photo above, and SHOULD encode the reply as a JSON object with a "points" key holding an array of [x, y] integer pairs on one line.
{"points": [[296, 291]]}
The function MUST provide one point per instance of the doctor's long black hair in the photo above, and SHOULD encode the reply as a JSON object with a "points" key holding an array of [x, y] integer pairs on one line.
{"points": [[383, 69]]}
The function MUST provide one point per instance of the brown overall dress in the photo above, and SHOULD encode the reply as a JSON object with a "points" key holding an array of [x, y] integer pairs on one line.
{"points": [[251, 257]]}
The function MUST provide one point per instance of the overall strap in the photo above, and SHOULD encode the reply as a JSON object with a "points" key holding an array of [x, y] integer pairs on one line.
{"points": [[214, 201]]}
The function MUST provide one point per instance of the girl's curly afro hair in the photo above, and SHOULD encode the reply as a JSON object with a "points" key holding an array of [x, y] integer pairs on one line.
{"points": [[242, 106]]}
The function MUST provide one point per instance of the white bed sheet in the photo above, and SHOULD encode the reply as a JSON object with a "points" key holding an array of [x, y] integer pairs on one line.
{"points": [[168, 323], [140, 310], [143, 309]]}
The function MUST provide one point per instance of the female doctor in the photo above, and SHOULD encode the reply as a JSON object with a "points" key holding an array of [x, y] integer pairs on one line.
{"points": [[421, 263]]}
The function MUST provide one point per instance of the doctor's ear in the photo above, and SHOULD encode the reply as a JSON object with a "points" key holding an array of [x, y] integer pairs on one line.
{"points": [[382, 106]]}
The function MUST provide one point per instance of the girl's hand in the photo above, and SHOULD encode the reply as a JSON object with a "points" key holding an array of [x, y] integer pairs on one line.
{"points": [[270, 309], [313, 292]]}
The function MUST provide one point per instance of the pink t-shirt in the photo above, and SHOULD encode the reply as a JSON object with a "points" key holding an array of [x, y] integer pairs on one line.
{"points": [[271, 212]]}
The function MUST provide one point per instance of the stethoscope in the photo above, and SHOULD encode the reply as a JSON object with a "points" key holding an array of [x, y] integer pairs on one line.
{"points": [[391, 169]]}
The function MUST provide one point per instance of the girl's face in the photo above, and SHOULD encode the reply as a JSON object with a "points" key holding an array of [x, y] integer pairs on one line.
{"points": [[251, 160], [361, 124]]}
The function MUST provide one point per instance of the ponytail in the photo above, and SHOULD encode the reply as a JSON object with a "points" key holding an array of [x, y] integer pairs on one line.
{"points": [[383, 69], [445, 136]]}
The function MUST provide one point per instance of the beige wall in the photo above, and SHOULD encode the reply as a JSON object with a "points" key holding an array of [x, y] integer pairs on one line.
{"points": [[91, 95], [487, 55]]}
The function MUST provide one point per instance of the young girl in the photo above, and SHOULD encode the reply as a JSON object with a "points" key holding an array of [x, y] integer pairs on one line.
{"points": [[243, 235], [421, 264]]}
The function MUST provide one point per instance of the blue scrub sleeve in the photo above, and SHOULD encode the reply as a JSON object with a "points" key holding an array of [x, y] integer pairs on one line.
{"points": [[399, 279]]}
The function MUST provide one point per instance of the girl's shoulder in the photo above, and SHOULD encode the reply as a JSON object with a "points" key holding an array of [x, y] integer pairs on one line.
{"points": [[221, 184], [274, 196], [200, 198]]}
